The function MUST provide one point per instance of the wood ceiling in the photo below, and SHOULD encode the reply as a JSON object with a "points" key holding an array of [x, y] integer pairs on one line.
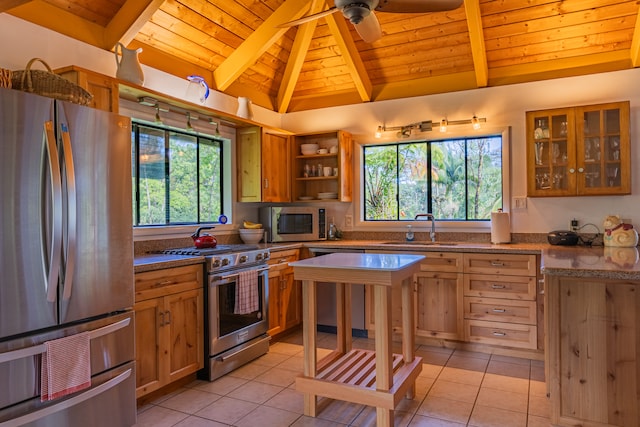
{"points": [[239, 49]]}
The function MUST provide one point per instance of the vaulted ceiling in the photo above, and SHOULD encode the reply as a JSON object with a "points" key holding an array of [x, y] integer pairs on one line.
{"points": [[240, 49]]}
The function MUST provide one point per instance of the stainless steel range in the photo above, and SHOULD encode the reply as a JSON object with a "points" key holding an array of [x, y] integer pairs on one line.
{"points": [[233, 337]]}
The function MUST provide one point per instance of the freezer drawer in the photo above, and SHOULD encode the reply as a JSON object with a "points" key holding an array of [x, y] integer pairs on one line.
{"points": [[110, 402], [112, 345]]}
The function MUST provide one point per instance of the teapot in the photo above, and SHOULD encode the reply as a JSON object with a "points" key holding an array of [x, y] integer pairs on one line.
{"points": [[204, 241]]}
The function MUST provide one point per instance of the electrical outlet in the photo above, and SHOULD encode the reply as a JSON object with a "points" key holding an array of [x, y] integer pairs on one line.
{"points": [[348, 220], [520, 203], [573, 225]]}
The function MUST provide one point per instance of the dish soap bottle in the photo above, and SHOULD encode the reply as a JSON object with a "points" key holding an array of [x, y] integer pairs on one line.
{"points": [[409, 235], [332, 231]]}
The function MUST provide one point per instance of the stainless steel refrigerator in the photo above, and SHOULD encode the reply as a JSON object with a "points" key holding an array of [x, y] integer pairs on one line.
{"points": [[66, 262]]}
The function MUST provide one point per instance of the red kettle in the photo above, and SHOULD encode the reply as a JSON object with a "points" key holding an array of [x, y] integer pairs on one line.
{"points": [[204, 241]]}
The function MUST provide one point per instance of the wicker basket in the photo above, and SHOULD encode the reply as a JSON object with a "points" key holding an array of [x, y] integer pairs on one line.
{"points": [[5, 78], [47, 83]]}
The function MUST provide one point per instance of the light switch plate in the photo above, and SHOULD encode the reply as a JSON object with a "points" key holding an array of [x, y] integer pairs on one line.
{"points": [[348, 220], [519, 203]]}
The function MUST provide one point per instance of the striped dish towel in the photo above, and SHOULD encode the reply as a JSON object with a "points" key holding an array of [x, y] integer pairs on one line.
{"points": [[66, 366], [246, 292]]}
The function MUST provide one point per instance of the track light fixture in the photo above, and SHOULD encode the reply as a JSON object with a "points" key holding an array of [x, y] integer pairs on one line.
{"points": [[427, 125], [157, 119]]}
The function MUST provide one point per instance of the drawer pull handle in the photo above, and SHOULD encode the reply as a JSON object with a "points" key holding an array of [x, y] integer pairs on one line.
{"points": [[499, 334], [499, 310], [496, 286], [497, 264], [165, 283]]}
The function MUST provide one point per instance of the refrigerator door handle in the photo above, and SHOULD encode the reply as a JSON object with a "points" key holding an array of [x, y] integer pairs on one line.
{"points": [[72, 213], [91, 393], [38, 349], [52, 271]]}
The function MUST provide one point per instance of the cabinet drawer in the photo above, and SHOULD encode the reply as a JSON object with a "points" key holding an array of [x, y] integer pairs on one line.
{"points": [[513, 264], [157, 283], [280, 260], [495, 286], [498, 333], [441, 261], [500, 310]]}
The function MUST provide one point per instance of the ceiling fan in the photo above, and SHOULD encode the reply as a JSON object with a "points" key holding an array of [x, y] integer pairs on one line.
{"points": [[361, 13]]}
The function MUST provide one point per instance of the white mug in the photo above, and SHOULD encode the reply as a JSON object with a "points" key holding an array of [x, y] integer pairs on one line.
{"points": [[322, 151], [327, 170], [333, 149], [335, 171]]}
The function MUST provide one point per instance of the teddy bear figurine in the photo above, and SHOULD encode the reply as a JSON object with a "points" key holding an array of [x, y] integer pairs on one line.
{"points": [[619, 234]]}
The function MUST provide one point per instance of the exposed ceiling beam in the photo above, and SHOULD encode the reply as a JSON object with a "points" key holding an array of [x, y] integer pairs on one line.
{"points": [[59, 20], [130, 18], [297, 56], [258, 43], [635, 43], [425, 86], [10, 4], [340, 30], [476, 37]]}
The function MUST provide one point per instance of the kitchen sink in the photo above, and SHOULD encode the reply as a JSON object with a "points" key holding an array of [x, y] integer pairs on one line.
{"points": [[418, 243]]}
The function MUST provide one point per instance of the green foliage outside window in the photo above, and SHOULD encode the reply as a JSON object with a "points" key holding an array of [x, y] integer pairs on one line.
{"points": [[177, 177], [458, 179]]}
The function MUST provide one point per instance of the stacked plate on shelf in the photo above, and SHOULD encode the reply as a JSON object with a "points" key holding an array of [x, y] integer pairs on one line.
{"points": [[324, 196], [305, 198]]}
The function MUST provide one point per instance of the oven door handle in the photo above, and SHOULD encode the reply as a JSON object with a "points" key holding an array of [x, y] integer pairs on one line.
{"points": [[237, 274]]}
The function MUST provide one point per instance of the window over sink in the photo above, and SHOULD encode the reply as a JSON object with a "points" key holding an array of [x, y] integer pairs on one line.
{"points": [[458, 179]]}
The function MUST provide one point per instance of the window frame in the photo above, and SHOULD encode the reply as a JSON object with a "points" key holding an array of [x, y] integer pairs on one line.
{"points": [[448, 225]]}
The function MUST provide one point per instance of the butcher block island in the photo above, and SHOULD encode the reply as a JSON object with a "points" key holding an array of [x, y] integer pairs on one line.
{"points": [[375, 378], [592, 301]]}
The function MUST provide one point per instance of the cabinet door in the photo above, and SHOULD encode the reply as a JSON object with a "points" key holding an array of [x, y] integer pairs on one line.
{"points": [[150, 369], [292, 300], [593, 347], [184, 321], [249, 174], [551, 153], [439, 305], [104, 89], [603, 155], [275, 297], [276, 168], [345, 166]]}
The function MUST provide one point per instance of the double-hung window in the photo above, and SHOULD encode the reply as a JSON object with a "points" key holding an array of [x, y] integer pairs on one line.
{"points": [[458, 179], [177, 176]]}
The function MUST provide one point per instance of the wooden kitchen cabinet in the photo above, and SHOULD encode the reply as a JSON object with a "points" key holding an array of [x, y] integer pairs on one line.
{"points": [[169, 326], [579, 151], [308, 185], [592, 353], [438, 287], [263, 166], [285, 295], [103, 88], [500, 293]]}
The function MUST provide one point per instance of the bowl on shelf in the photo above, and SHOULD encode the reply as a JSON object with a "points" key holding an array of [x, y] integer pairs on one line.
{"points": [[251, 235], [324, 196], [305, 198], [308, 149]]}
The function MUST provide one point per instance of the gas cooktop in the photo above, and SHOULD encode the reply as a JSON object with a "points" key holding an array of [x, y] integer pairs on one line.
{"points": [[219, 249], [226, 257]]}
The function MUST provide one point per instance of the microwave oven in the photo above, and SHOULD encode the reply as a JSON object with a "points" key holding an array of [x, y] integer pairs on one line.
{"points": [[294, 223]]}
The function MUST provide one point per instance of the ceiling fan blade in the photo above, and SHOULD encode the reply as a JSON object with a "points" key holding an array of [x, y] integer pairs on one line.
{"points": [[369, 28], [417, 6], [309, 18]]}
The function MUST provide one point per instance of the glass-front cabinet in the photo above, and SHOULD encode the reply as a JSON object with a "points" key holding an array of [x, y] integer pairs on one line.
{"points": [[579, 151]]}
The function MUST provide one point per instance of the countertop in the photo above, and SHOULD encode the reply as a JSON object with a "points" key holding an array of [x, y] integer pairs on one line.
{"points": [[596, 262], [572, 261]]}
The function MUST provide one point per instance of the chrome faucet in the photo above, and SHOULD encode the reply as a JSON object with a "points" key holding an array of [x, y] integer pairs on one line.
{"points": [[430, 217]]}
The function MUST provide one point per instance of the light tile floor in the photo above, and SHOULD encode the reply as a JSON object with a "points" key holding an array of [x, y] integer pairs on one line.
{"points": [[455, 388]]}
